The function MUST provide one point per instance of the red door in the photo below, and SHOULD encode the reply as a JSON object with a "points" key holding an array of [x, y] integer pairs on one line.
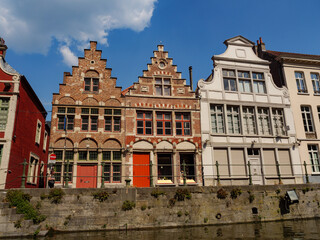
{"points": [[87, 176], [141, 169]]}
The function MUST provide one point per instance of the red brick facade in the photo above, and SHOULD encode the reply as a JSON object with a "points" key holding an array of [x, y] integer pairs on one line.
{"points": [[163, 126], [24, 134]]}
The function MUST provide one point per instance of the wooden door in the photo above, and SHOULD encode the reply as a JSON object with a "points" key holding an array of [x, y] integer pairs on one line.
{"points": [[141, 169], [87, 176]]}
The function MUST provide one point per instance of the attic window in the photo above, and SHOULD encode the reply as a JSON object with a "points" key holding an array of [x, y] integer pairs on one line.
{"points": [[162, 64], [92, 61]]}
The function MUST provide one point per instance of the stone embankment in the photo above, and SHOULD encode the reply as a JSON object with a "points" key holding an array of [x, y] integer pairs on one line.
{"points": [[140, 208]]}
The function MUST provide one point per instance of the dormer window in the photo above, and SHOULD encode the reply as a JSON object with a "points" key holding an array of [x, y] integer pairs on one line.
{"points": [[163, 86], [91, 84]]}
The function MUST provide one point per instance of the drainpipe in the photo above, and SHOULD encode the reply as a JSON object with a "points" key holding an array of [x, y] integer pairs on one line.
{"points": [[190, 75]]}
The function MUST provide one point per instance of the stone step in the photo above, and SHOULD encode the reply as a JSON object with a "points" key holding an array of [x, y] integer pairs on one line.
{"points": [[7, 211], [7, 227]]}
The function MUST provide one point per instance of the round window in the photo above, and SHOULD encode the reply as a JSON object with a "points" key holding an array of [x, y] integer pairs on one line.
{"points": [[162, 65]]}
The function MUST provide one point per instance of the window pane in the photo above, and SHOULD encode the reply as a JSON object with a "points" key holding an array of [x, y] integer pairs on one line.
{"points": [[93, 155]]}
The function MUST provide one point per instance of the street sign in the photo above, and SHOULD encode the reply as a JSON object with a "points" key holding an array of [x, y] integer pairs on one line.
{"points": [[53, 156]]}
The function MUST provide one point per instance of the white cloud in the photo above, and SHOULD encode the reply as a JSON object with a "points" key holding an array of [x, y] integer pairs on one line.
{"points": [[29, 26], [68, 57]]}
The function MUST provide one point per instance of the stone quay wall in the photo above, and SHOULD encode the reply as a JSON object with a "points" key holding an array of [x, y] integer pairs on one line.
{"points": [[160, 207]]}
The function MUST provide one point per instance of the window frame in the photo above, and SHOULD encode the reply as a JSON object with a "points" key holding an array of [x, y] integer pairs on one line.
{"points": [[164, 122], [314, 161], [278, 121], [67, 113], [38, 132], [33, 168], [216, 115], [4, 112], [264, 123], [91, 84], [113, 117], [45, 139], [112, 176], [144, 121], [162, 85], [301, 83], [315, 82], [249, 119], [307, 121], [231, 122], [90, 116], [183, 121]]}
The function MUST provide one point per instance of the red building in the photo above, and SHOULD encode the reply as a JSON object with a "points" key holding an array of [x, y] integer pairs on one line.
{"points": [[24, 134]]}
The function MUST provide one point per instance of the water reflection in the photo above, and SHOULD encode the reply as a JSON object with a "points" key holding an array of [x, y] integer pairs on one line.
{"points": [[306, 229]]}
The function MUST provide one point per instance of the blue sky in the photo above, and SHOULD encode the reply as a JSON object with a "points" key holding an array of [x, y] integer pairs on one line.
{"points": [[45, 36]]}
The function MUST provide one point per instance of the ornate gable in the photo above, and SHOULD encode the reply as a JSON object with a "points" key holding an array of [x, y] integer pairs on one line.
{"points": [[161, 79]]}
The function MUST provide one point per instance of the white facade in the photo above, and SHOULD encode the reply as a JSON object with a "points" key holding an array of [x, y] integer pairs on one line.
{"points": [[246, 118]]}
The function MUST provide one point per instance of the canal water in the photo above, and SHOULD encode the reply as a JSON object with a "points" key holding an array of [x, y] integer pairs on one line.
{"points": [[300, 229]]}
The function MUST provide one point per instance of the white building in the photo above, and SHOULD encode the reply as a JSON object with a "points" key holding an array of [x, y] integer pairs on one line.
{"points": [[246, 118]]}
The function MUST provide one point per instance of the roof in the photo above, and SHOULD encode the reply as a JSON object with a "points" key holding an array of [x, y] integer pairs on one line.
{"points": [[124, 92], [6, 67], [294, 55]]}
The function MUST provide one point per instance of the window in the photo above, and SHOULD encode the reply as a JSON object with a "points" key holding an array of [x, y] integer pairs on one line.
{"points": [[164, 123], [278, 122], [164, 167], [183, 124], [315, 82], [38, 132], [69, 171], [244, 81], [264, 121], [233, 119], [229, 80], [249, 120], [301, 85], [45, 139], [89, 119], [86, 155], [112, 167], [217, 119], [112, 120], [1, 150], [4, 107], [314, 157], [65, 118], [91, 84], [163, 86], [57, 171], [144, 123], [259, 85], [307, 119], [33, 170]]}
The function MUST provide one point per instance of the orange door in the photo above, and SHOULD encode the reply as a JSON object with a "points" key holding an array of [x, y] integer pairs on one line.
{"points": [[141, 169], [87, 176]]}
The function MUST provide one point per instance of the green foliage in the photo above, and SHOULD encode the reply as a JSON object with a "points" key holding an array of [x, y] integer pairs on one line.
{"points": [[186, 213], [278, 191], [156, 193], [305, 190], [251, 197], [56, 195], [172, 202], [43, 196], [101, 196], [179, 214], [67, 220], [21, 201], [143, 207], [181, 194], [221, 193], [205, 220], [128, 205], [38, 205], [235, 193], [17, 224]]}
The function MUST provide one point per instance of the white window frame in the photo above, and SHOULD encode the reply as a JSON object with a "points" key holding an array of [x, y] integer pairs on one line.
{"points": [[313, 152], [38, 132], [307, 119], [264, 125], [45, 139], [216, 113], [4, 111], [33, 167], [278, 122], [301, 83], [164, 85], [233, 120], [249, 120], [315, 82]]}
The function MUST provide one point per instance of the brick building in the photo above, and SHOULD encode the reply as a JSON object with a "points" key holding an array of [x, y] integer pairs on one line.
{"points": [[87, 133], [162, 127], [24, 134]]}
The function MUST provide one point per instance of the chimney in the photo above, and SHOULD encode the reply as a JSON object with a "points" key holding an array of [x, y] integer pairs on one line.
{"points": [[262, 45], [3, 48], [190, 74]]}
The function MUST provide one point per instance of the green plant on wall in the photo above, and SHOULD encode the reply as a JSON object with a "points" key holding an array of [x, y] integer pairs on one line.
{"points": [[100, 195], [222, 194], [21, 201], [56, 195], [182, 194], [235, 193], [128, 205], [156, 193]]}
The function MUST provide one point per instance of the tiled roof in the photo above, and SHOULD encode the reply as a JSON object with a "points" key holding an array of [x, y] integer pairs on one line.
{"points": [[6, 67], [124, 92], [294, 55]]}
